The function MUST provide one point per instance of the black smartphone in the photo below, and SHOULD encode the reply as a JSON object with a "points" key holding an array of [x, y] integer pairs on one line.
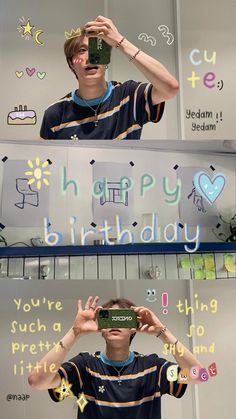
{"points": [[117, 318], [99, 51]]}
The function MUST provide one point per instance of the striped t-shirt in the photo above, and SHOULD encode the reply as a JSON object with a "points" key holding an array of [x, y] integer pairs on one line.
{"points": [[124, 109], [94, 382]]}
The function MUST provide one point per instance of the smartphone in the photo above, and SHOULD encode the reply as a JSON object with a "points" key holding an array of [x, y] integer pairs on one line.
{"points": [[99, 51], [117, 318]]}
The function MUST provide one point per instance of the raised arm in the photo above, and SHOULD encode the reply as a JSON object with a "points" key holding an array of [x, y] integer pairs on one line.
{"points": [[151, 324], [165, 86], [85, 322]]}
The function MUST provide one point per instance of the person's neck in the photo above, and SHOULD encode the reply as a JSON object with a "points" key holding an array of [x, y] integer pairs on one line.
{"points": [[87, 92], [117, 354]]}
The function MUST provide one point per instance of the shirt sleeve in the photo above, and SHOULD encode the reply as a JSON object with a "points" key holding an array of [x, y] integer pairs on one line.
{"points": [[45, 132], [141, 98], [72, 374], [173, 388]]}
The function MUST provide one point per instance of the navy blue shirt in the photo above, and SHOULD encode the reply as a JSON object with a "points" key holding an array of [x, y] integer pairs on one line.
{"points": [[121, 113], [143, 382]]}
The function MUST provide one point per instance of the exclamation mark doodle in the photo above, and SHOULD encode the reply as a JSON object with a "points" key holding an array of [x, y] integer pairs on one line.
{"points": [[164, 298], [217, 117]]}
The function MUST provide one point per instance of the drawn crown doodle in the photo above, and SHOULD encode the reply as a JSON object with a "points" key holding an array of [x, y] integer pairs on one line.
{"points": [[73, 34]]}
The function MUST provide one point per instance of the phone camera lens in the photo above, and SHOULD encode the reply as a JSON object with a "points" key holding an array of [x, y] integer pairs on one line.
{"points": [[95, 58], [104, 314]]}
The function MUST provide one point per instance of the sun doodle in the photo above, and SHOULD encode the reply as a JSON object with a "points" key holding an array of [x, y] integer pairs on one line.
{"points": [[38, 173]]}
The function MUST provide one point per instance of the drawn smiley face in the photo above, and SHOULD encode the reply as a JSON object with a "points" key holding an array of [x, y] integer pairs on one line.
{"points": [[210, 189], [151, 295]]}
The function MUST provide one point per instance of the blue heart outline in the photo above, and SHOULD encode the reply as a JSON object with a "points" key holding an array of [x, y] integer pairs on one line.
{"points": [[196, 182]]}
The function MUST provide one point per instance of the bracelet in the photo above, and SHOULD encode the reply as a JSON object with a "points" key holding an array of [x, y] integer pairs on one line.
{"points": [[135, 55], [61, 345], [162, 331], [120, 42]]}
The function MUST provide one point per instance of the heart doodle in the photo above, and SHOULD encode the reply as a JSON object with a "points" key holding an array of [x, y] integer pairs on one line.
{"points": [[209, 189], [30, 71], [41, 75], [19, 74]]}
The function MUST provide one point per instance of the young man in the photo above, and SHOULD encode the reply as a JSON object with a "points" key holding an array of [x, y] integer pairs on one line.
{"points": [[117, 383], [108, 110]]}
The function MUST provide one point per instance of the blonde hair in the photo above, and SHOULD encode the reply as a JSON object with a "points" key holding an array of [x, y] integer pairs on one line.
{"points": [[71, 47]]}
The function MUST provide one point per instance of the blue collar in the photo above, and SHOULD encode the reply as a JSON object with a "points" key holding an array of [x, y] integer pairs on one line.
{"points": [[92, 102], [117, 363]]}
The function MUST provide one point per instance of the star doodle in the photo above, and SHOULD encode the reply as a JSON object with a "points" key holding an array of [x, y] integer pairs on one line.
{"points": [[82, 402], [64, 390], [101, 389], [27, 28]]}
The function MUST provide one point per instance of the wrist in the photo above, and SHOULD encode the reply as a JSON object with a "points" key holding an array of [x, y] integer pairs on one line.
{"points": [[119, 41], [75, 332], [167, 337], [128, 49], [160, 330]]}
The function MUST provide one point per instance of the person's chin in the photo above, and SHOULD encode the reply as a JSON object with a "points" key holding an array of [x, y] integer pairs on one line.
{"points": [[92, 78], [115, 336]]}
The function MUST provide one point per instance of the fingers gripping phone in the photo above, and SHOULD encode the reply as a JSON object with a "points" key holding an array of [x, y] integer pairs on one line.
{"points": [[99, 51], [117, 318]]}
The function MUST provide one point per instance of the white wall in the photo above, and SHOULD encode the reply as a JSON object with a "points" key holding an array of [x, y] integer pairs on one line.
{"points": [[208, 26], [219, 328]]}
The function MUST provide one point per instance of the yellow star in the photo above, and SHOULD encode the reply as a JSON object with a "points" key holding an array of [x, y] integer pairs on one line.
{"points": [[81, 402], [27, 28], [64, 390]]}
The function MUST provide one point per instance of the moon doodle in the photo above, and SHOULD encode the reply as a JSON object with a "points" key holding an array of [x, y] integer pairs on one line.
{"points": [[36, 37]]}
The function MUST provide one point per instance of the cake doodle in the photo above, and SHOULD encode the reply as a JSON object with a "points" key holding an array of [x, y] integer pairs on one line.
{"points": [[21, 116]]}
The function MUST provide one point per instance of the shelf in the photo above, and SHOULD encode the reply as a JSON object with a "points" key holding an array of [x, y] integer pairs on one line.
{"points": [[137, 248]]}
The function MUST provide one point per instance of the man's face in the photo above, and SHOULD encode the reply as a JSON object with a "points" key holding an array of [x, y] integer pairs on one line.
{"points": [[117, 334], [80, 63]]}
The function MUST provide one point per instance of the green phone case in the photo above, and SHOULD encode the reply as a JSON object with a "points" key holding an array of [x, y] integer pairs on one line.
{"points": [[117, 318], [99, 51]]}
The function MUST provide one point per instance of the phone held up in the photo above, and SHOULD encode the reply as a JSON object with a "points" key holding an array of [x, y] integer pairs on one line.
{"points": [[117, 318], [99, 51]]}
